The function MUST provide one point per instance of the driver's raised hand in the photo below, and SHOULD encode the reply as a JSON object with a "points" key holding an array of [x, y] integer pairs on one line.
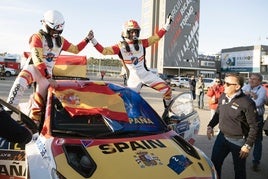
{"points": [[168, 22], [90, 35]]}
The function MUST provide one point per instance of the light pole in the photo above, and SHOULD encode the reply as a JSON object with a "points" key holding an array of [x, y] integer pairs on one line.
{"points": [[93, 69], [99, 65]]}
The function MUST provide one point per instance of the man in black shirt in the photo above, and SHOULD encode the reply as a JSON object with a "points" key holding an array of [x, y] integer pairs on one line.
{"points": [[236, 115]]}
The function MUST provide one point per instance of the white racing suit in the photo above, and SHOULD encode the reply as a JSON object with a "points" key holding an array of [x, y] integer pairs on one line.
{"points": [[38, 68], [139, 74], [134, 62]]}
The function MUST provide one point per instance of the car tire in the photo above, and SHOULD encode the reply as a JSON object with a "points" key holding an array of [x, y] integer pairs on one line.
{"points": [[7, 74]]}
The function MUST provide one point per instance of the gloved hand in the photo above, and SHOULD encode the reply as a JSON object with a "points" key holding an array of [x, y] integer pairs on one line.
{"points": [[94, 41], [210, 132], [168, 22], [89, 36]]}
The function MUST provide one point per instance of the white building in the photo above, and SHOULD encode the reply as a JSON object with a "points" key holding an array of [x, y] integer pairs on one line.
{"points": [[249, 59]]}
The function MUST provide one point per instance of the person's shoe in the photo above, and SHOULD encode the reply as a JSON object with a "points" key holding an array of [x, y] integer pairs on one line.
{"points": [[266, 132], [255, 167]]}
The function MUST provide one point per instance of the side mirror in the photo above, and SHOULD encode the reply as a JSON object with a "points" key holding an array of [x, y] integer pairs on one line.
{"points": [[181, 117], [180, 107]]}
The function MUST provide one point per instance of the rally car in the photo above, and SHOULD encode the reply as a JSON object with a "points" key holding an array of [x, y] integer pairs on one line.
{"points": [[102, 130]]}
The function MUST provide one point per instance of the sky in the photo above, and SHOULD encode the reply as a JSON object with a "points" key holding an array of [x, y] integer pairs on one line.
{"points": [[232, 23], [223, 23]]}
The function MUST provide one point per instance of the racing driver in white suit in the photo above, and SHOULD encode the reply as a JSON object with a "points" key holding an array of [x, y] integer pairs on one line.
{"points": [[131, 51], [45, 46]]}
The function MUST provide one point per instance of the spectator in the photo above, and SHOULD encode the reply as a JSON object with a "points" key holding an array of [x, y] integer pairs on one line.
{"points": [[102, 74], [214, 93], [257, 93], [236, 115], [199, 91], [192, 84]]}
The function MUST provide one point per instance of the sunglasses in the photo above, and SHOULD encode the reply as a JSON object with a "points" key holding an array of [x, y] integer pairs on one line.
{"points": [[217, 81], [229, 84], [133, 31], [59, 26]]}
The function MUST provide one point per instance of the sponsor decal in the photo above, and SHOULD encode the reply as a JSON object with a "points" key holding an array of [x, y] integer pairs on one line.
{"points": [[132, 145], [12, 163], [41, 147], [178, 163], [135, 60], [12, 155], [86, 143], [49, 57], [4, 144], [140, 120], [145, 159]]}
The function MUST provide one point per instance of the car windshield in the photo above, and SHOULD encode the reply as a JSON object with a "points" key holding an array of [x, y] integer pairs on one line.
{"points": [[101, 117]]}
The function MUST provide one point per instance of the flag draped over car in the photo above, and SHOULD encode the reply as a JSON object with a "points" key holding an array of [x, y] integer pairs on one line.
{"points": [[91, 99]]}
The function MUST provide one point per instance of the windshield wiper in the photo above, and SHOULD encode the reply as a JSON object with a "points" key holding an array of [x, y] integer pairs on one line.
{"points": [[127, 133]]}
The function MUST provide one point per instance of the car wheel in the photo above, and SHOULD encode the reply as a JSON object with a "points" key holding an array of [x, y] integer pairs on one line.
{"points": [[8, 74]]}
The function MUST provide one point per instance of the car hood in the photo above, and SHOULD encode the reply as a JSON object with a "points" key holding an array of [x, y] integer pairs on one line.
{"points": [[159, 156]]}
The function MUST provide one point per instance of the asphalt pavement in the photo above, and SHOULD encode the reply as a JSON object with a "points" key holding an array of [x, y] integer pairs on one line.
{"points": [[155, 100]]}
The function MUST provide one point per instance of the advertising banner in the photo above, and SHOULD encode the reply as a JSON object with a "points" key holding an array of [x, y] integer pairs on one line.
{"points": [[240, 61]]}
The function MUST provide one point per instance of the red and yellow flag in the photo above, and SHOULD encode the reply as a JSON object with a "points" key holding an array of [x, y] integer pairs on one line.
{"points": [[68, 65], [71, 66], [93, 98]]}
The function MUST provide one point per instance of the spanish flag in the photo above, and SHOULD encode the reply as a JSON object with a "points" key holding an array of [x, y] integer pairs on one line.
{"points": [[70, 66], [93, 98]]}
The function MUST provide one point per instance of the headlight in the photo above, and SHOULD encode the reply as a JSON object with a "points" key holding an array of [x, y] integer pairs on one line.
{"points": [[79, 159]]}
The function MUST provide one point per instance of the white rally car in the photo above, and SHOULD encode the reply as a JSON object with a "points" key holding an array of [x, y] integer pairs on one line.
{"points": [[101, 130]]}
